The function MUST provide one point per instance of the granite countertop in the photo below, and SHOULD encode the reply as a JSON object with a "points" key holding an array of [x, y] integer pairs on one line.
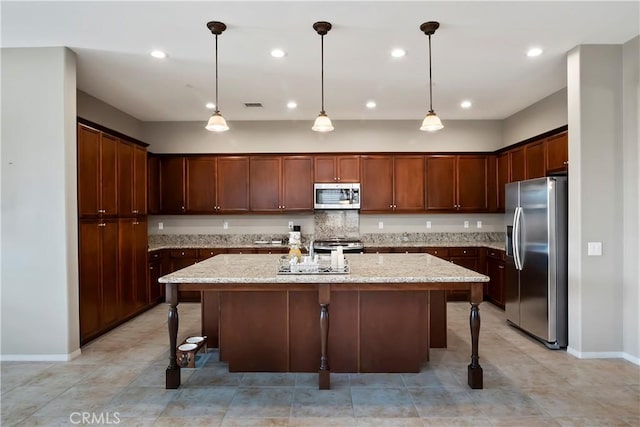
{"points": [[364, 268], [192, 245]]}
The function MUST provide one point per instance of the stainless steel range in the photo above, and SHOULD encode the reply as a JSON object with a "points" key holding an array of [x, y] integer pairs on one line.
{"points": [[349, 245]]}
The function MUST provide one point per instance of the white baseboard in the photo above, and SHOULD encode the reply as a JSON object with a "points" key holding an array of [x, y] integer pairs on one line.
{"points": [[603, 355], [40, 357]]}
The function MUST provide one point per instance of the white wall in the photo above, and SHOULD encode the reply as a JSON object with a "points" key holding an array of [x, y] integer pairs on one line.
{"points": [[547, 114], [297, 137], [39, 289], [631, 199], [595, 200], [97, 111]]}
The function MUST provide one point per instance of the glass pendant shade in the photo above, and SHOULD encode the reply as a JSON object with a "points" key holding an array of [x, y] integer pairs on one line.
{"points": [[431, 122], [217, 123], [322, 123]]}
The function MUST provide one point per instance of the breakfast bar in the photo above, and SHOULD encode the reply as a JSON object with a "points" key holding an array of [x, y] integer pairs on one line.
{"points": [[378, 307]]}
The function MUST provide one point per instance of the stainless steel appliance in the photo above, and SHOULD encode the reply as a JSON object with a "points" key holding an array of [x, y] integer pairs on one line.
{"points": [[536, 262], [348, 245], [336, 196]]}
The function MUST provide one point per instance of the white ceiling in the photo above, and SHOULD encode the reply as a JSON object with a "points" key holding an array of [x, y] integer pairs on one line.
{"points": [[478, 54]]}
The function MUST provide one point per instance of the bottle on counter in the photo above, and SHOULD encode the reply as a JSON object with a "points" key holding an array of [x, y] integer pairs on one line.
{"points": [[294, 252]]}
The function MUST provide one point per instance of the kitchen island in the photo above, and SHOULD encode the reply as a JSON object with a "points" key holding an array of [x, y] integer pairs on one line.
{"points": [[379, 313]]}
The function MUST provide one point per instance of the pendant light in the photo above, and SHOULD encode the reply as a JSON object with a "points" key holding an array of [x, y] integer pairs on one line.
{"points": [[431, 122], [323, 122], [217, 123]]}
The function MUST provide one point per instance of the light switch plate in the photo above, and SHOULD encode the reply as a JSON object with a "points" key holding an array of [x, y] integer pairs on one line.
{"points": [[380, 225], [594, 248], [428, 224], [466, 224], [225, 225], [160, 226], [478, 224]]}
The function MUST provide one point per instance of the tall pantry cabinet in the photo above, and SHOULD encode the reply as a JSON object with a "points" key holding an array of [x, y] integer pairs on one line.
{"points": [[112, 229]]}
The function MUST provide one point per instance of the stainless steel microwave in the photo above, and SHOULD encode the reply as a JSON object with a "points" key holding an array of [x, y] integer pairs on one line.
{"points": [[336, 196]]}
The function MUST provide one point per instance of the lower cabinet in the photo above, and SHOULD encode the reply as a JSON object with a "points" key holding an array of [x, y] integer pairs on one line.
{"points": [[495, 291], [179, 259], [157, 268], [467, 258]]}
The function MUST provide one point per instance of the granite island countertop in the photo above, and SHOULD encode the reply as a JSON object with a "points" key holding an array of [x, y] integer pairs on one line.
{"points": [[364, 268]]}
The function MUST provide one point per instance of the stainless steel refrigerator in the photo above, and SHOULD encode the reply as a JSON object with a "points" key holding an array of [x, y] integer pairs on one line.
{"points": [[536, 262]]}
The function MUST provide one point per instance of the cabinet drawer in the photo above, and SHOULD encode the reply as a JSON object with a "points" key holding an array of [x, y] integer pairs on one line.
{"points": [[439, 252], [209, 252], [495, 254], [155, 255], [184, 253], [463, 252]]}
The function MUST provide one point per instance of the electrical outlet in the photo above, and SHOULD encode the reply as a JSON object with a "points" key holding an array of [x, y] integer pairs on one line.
{"points": [[380, 225], [594, 248], [479, 224], [160, 226], [466, 224], [225, 225], [428, 224], [290, 225]]}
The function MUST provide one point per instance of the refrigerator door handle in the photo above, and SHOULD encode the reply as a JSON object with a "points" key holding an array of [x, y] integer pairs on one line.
{"points": [[516, 238]]}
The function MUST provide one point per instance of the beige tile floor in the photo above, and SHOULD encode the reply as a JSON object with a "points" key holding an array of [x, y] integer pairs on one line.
{"points": [[120, 377]]}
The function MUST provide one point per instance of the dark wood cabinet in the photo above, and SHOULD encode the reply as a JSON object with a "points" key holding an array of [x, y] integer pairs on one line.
{"points": [[534, 155], [392, 183], [495, 292], [98, 276], [179, 259], [502, 175], [337, 168], [281, 183], [232, 184], [132, 179], [557, 153], [172, 181], [157, 269], [97, 173], [200, 185], [467, 257], [133, 265], [517, 171], [153, 184], [456, 183]]}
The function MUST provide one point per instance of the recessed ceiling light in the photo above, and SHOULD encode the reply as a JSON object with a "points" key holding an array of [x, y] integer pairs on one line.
{"points": [[278, 53], [210, 105], [371, 104], [291, 105], [158, 54], [466, 104], [398, 53], [534, 51]]}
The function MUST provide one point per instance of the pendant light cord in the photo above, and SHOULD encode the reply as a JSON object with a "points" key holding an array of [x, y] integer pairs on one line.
{"points": [[322, 71], [430, 89], [217, 108]]}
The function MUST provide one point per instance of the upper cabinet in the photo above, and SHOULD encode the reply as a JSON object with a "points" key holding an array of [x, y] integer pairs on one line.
{"points": [[392, 183], [337, 168], [534, 155], [132, 179], [153, 184], [281, 183], [457, 183], [97, 173], [556, 153], [232, 184], [172, 185], [200, 185]]}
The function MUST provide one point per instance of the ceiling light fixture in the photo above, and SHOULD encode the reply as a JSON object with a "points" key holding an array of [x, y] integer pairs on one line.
{"points": [[466, 104], [278, 53], [323, 122], [371, 104], [291, 105], [431, 122], [534, 51], [210, 105], [398, 53], [158, 54], [216, 122]]}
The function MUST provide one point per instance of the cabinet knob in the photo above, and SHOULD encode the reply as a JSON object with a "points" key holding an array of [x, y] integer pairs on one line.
{"points": [[151, 268], [102, 224], [501, 266], [435, 252], [135, 211], [338, 178], [464, 252], [182, 253], [182, 207], [565, 163], [102, 210]]}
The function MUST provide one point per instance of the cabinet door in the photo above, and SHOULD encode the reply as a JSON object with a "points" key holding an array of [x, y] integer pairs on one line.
{"points": [[408, 183], [139, 180], [534, 155], [472, 183], [90, 286], [516, 165], [200, 184], [88, 171], [108, 174], [557, 153], [109, 261], [177, 264], [126, 267], [155, 288], [125, 179], [233, 184], [140, 262], [297, 183], [377, 183], [325, 169], [495, 271], [264, 183], [172, 185], [440, 182], [503, 178], [153, 184], [348, 168]]}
